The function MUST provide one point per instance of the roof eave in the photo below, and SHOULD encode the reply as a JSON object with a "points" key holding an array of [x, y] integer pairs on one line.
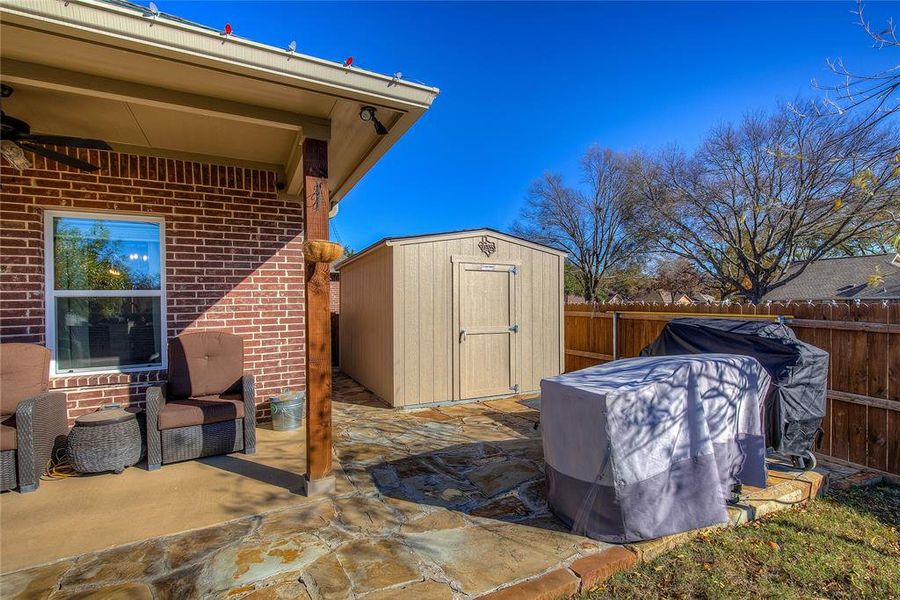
{"points": [[124, 27]]}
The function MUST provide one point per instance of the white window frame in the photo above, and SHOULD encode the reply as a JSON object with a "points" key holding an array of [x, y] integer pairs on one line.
{"points": [[51, 294]]}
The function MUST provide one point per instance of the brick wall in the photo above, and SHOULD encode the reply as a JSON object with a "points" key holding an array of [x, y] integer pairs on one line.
{"points": [[335, 293], [233, 260]]}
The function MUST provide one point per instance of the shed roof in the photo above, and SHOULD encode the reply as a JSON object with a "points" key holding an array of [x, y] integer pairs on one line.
{"points": [[447, 235], [845, 278]]}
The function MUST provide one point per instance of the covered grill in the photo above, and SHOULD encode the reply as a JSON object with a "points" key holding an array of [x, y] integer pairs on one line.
{"points": [[795, 405], [645, 447]]}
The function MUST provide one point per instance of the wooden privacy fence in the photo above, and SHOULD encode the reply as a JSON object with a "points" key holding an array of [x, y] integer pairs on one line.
{"points": [[862, 424]]}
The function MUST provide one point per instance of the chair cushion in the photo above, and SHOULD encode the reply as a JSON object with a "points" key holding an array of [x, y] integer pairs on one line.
{"points": [[24, 373], [8, 437], [201, 410], [205, 363]]}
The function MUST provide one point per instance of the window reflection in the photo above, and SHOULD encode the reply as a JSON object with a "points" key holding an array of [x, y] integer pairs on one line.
{"points": [[105, 254], [96, 332]]}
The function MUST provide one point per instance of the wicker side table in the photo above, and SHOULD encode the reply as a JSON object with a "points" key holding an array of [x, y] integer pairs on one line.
{"points": [[106, 440]]}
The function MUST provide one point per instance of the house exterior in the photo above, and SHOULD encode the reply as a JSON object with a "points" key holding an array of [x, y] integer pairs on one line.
{"points": [[227, 156], [452, 316], [335, 278], [864, 278], [664, 297]]}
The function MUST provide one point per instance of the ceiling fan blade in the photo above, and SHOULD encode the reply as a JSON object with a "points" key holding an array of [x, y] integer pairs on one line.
{"points": [[58, 157], [65, 140]]}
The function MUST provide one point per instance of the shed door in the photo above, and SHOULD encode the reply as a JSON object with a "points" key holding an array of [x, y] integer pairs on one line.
{"points": [[485, 342]]}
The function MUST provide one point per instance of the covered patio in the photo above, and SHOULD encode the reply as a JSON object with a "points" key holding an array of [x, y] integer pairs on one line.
{"points": [[446, 502]]}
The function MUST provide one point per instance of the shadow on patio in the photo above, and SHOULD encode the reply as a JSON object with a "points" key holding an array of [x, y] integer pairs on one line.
{"points": [[443, 502]]}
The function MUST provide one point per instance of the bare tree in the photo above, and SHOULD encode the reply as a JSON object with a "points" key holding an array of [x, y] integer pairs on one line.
{"points": [[871, 97], [681, 275], [594, 223], [774, 190]]}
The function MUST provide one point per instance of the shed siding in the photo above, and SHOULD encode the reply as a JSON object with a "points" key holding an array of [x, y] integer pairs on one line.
{"points": [[423, 315], [366, 337]]}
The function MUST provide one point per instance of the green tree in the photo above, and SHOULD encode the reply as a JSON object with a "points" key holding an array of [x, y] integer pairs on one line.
{"points": [[93, 261]]}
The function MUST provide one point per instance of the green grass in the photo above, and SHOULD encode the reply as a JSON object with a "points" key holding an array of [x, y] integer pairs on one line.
{"points": [[845, 545]]}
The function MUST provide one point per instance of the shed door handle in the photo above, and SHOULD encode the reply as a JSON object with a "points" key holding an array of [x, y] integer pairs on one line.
{"points": [[463, 334]]}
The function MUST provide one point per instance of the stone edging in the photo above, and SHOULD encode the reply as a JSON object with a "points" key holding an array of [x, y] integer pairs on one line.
{"points": [[583, 574]]}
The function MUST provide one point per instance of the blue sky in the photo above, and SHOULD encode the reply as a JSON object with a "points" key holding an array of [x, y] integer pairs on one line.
{"points": [[525, 88]]}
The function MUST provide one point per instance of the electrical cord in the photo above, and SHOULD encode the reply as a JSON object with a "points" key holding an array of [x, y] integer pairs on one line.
{"points": [[59, 467]]}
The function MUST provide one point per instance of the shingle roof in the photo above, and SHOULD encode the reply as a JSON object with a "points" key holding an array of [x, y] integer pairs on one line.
{"points": [[843, 279]]}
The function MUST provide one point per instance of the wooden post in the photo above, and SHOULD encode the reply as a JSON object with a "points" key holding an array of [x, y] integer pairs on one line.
{"points": [[319, 479]]}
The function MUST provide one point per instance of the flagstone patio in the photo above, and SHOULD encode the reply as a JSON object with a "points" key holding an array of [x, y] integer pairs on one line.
{"points": [[445, 502]]}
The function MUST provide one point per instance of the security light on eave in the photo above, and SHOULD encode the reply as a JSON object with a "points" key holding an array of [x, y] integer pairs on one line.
{"points": [[367, 114]]}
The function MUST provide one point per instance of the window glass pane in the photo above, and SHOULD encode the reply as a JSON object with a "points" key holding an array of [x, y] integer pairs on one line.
{"points": [[105, 254], [93, 333]]}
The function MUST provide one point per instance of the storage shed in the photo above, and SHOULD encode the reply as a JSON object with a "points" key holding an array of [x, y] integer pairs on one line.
{"points": [[452, 316]]}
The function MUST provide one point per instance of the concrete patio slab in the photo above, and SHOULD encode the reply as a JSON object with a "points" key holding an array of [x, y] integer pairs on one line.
{"points": [[442, 503], [101, 511]]}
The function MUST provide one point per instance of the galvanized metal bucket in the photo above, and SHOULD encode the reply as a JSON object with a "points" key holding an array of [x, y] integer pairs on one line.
{"points": [[287, 410]]}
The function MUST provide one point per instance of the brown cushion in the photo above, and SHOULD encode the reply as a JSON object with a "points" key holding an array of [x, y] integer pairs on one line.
{"points": [[201, 410], [205, 363], [24, 373], [8, 438]]}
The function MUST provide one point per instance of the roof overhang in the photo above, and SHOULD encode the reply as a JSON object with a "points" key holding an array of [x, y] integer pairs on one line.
{"points": [[162, 86]]}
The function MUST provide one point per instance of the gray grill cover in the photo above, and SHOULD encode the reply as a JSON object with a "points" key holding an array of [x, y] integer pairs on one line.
{"points": [[795, 405], [644, 447]]}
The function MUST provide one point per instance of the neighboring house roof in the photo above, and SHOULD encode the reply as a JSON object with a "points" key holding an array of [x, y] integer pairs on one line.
{"points": [[163, 86], [843, 279], [447, 235], [663, 296], [668, 297]]}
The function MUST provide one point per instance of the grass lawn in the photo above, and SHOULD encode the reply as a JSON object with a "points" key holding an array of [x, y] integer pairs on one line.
{"points": [[845, 545]]}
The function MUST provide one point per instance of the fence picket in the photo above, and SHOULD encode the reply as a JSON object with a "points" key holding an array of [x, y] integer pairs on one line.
{"points": [[863, 341]]}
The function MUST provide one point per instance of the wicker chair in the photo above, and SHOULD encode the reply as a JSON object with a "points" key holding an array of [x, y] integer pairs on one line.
{"points": [[32, 419], [207, 406]]}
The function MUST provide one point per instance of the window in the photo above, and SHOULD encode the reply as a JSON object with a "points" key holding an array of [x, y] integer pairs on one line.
{"points": [[105, 276]]}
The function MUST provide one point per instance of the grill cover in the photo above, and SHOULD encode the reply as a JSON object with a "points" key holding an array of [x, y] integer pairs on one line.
{"points": [[644, 447], [795, 405]]}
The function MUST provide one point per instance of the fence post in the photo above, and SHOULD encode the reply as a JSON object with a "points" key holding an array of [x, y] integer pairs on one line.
{"points": [[615, 334]]}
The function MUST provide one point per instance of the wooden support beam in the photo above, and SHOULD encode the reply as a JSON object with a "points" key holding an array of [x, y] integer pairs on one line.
{"points": [[319, 478], [294, 170]]}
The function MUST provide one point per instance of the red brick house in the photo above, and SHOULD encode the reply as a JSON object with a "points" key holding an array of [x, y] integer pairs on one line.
{"points": [[228, 154]]}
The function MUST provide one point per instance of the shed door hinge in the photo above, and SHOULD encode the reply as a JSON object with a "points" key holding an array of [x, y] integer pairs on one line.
{"points": [[515, 388], [514, 270], [515, 328]]}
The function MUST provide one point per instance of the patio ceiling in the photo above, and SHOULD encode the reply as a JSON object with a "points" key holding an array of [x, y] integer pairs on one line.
{"points": [[169, 88]]}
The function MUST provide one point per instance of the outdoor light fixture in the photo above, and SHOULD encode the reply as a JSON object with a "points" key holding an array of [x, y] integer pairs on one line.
{"points": [[367, 114], [14, 155]]}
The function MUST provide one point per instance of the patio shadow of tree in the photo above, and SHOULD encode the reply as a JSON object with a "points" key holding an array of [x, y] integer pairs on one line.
{"points": [[504, 480], [501, 480]]}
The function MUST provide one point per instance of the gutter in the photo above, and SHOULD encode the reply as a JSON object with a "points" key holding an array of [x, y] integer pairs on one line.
{"points": [[128, 28]]}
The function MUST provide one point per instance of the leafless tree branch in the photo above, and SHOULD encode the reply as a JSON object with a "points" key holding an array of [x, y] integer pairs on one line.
{"points": [[594, 223]]}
